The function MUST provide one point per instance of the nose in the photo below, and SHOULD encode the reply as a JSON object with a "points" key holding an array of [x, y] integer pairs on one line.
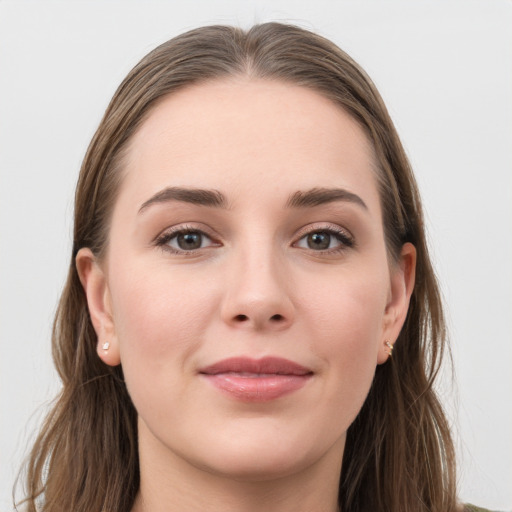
{"points": [[257, 296]]}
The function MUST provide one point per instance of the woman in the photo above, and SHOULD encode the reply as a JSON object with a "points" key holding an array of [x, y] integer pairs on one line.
{"points": [[251, 320]]}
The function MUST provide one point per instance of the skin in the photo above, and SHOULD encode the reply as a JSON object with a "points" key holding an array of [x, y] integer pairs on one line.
{"points": [[256, 287]]}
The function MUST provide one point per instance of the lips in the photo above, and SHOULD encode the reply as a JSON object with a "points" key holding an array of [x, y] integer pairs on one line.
{"points": [[256, 380]]}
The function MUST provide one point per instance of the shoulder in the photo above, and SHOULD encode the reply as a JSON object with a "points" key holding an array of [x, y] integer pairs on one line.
{"points": [[472, 508]]}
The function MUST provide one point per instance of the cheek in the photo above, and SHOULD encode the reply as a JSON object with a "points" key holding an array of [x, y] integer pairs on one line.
{"points": [[349, 308], [160, 318], [159, 315], [348, 319]]}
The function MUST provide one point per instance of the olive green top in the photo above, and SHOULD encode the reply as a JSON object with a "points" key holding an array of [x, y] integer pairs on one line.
{"points": [[471, 508]]}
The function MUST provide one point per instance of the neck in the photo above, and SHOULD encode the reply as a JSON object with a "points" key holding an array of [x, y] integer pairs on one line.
{"points": [[170, 483]]}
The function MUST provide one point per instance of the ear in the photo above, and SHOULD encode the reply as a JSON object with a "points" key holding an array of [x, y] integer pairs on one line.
{"points": [[402, 278], [95, 285]]}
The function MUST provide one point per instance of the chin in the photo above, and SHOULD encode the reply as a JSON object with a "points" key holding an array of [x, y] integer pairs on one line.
{"points": [[259, 467], [256, 458]]}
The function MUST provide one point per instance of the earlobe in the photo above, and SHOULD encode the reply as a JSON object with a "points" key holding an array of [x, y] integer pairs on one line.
{"points": [[403, 276], [95, 285]]}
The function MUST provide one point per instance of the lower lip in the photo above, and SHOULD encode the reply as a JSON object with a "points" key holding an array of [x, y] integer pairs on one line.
{"points": [[260, 388]]}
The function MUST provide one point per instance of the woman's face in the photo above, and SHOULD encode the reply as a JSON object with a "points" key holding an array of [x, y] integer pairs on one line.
{"points": [[247, 291]]}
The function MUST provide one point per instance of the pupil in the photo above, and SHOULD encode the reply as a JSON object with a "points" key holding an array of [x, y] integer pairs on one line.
{"points": [[189, 241], [319, 240]]}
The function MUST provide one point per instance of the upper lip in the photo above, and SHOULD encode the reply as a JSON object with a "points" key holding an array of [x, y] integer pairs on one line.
{"points": [[266, 365]]}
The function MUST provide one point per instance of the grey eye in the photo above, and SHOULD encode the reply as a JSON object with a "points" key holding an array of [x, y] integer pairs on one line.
{"points": [[319, 240], [189, 241], [325, 240]]}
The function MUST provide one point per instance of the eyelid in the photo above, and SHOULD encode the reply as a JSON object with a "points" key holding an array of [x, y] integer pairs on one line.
{"points": [[344, 236], [163, 238], [347, 239]]}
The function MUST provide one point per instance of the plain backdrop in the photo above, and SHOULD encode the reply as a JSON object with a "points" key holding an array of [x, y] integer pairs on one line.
{"points": [[445, 71]]}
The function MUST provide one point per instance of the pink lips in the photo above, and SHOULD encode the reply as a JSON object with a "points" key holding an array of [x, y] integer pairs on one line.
{"points": [[256, 380]]}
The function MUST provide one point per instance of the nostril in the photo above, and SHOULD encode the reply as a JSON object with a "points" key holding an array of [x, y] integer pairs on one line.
{"points": [[241, 318], [276, 318]]}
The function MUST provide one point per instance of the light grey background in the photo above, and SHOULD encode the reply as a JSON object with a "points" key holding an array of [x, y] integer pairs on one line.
{"points": [[445, 71]]}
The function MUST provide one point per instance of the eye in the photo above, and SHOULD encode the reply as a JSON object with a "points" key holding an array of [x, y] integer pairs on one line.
{"points": [[185, 240], [325, 240]]}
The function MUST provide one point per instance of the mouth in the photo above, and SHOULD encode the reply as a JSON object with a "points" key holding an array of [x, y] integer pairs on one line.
{"points": [[256, 380]]}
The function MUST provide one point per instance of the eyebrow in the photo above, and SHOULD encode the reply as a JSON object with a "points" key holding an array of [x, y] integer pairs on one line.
{"points": [[319, 196], [215, 199], [201, 197]]}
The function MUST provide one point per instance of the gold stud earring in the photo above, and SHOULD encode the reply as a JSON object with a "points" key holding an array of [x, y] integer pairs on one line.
{"points": [[388, 344], [106, 346]]}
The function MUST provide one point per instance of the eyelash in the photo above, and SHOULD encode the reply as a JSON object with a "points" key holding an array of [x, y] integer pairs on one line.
{"points": [[162, 241], [345, 239]]}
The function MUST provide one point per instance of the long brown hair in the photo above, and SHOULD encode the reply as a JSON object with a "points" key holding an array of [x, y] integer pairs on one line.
{"points": [[399, 454]]}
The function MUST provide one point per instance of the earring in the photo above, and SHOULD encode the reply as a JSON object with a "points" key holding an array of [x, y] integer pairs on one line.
{"points": [[106, 346], [388, 344]]}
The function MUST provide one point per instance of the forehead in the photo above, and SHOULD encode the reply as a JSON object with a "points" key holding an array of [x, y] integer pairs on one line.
{"points": [[242, 135]]}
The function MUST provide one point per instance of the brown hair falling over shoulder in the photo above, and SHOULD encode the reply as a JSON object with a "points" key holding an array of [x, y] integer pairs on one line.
{"points": [[399, 455]]}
